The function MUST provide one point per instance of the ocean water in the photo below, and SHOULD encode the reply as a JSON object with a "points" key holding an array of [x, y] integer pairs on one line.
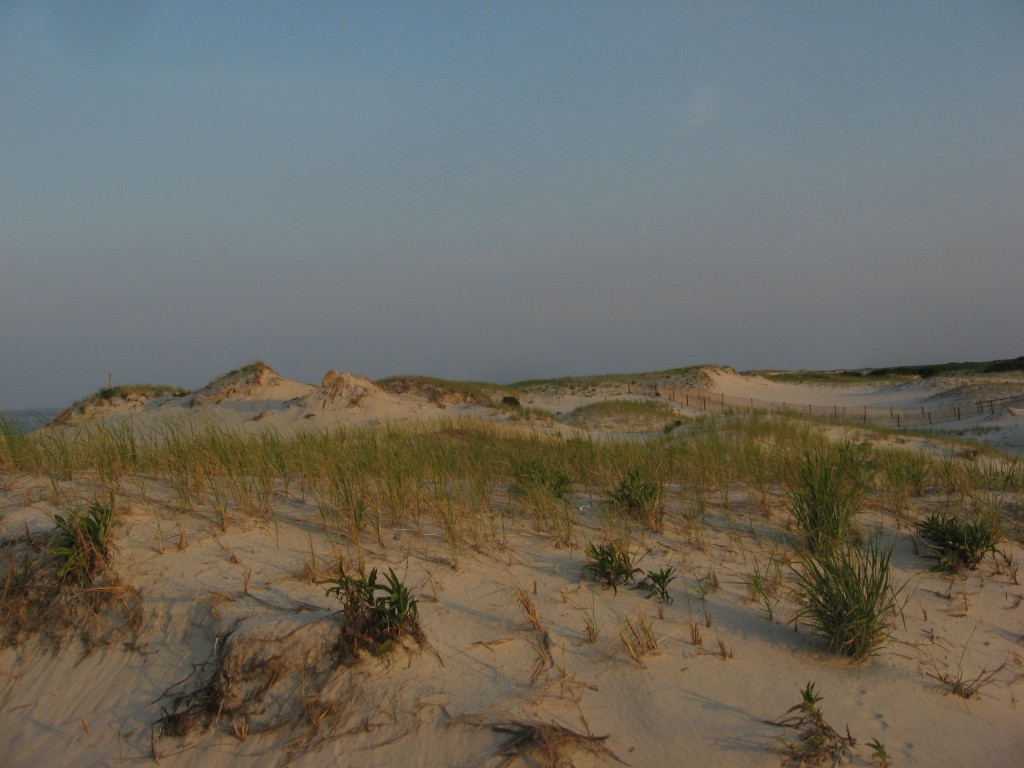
{"points": [[31, 418]]}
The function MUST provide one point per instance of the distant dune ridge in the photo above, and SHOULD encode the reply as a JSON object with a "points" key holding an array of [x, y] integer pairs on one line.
{"points": [[257, 393]]}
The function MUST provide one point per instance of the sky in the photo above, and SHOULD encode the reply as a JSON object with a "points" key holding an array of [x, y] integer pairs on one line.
{"points": [[504, 190]]}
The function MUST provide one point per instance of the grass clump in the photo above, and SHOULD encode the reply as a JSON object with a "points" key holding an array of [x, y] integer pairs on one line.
{"points": [[960, 544], [535, 475], [619, 415], [848, 598], [545, 488], [376, 613], [81, 542], [826, 488], [611, 563], [641, 498]]}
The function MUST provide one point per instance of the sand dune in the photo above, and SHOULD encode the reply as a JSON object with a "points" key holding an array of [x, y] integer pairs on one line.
{"points": [[211, 639]]}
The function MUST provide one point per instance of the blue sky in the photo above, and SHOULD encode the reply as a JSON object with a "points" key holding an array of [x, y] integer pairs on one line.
{"points": [[504, 190]]}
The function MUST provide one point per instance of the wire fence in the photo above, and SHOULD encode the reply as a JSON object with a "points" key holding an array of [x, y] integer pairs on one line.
{"points": [[717, 402]]}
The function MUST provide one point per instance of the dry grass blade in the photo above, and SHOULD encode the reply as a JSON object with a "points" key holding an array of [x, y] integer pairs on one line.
{"points": [[956, 685], [541, 743], [522, 597]]}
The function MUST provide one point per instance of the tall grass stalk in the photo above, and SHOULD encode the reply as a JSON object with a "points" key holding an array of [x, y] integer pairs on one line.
{"points": [[826, 489]]}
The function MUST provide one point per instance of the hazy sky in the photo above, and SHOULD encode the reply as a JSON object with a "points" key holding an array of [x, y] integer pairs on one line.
{"points": [[504, 190]]}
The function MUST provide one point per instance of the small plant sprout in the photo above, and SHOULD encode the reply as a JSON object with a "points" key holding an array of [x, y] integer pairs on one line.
{"points": [[376, 614], [655, 583], [612, 564], [817, 742], [879, 755]]}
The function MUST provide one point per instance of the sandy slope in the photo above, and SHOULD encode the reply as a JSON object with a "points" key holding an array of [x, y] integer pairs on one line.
{"points": [[248, 588]]}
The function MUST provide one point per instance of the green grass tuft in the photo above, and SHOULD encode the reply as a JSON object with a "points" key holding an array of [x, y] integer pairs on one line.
{"points": [[848, 598], [826, 488], [376, 613], [612, 564], [960, 544], [82, 541]]}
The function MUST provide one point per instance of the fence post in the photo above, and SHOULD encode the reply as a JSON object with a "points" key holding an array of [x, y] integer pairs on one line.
{"points": [[897, 419]]}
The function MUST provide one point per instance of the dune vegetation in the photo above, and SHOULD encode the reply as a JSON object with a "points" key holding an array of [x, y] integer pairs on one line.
{"points": [[705, 538]]}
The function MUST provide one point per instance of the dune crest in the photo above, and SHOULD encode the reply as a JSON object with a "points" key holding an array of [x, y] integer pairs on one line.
{"points": [[257, 381]]}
